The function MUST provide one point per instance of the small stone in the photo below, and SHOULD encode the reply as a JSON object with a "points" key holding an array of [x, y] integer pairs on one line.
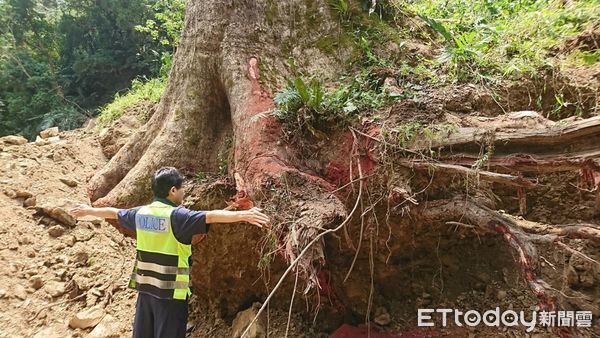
{"points": [[40, 141], [63, 217], [81, 257], [56, 231], [23, 194], [107, 328], [24, 240], [49, 332], [71, 183], [50, 132], [17, 193], [53, 139], [382, 317], [87, 318], [90, 299], [13, 139], [30, 202], [243, 319], [390, 86], [57, 213], [30, 253], [69, 240], [60, 273], [36, 282], [19, 292], [2, 293], [96, 221], [501, 294], [59, 246], [9, 192], [54, 288], [82, 282]]}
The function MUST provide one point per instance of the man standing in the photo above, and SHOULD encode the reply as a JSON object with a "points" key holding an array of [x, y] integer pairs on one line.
{"points": [[164, 232]]}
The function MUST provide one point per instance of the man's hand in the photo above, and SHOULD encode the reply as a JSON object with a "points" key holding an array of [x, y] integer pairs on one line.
{"points": [[80, 210], [256, 217]]}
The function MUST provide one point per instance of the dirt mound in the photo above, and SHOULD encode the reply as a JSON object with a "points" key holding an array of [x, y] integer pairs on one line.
{"points": [[54, 267]]}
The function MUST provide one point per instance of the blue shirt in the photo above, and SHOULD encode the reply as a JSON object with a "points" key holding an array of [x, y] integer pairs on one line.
{"points": [[185, 222]]}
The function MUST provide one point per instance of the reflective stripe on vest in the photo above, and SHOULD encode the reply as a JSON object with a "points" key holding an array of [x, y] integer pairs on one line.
{"points": [[162, 263]]}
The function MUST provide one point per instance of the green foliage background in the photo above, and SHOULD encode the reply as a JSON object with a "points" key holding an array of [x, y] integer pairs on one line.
{"points": [[62, 61]]}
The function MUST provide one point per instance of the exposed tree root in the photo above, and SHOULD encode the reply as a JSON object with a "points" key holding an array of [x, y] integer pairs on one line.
{"points": [[520, 236]]}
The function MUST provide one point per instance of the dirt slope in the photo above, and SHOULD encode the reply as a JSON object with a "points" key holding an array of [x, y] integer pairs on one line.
{"points": [[87, 264]]}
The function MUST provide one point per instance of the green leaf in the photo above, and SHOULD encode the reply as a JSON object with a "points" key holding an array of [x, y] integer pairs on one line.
{"points": [[438, 27]]}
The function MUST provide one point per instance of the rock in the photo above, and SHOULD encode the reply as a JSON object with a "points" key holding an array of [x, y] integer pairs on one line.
{"points": [[501, 294], [243, 318], [19, 292], [63, 217], [107, 328], [50, 332], [54, 139], [39, 141], [36, 282], [49, 132], [81, 257], [54, 288], [390, 85], [23, 193], [71, 183], [57, 213], [87, 318], [59, 247], [96, 221], [83, 282], [69, 240], [382, 317], [60, 273], [56, 231], [17, 193], [2, 293], [30, 202], [13, 139], [24, 240], [90, 299]]}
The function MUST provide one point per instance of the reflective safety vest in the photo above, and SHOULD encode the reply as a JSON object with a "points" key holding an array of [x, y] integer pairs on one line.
{"points": [[162, 264]]}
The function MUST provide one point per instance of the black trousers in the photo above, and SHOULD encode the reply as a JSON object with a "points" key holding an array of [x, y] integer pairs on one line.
{"points": [[159, 318]]}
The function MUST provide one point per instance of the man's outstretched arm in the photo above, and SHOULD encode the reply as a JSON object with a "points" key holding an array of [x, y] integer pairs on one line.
{"points": [[252, 216], [85, 210]]}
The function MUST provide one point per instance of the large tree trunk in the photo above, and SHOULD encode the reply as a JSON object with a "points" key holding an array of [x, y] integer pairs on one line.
{"points": [[216, 91]]}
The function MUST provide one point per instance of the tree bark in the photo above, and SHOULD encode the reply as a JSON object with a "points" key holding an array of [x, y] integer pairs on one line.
{"points": [[216, 91]]}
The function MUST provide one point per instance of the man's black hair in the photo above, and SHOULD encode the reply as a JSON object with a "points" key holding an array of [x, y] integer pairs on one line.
{"points": [[165, 178]]}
